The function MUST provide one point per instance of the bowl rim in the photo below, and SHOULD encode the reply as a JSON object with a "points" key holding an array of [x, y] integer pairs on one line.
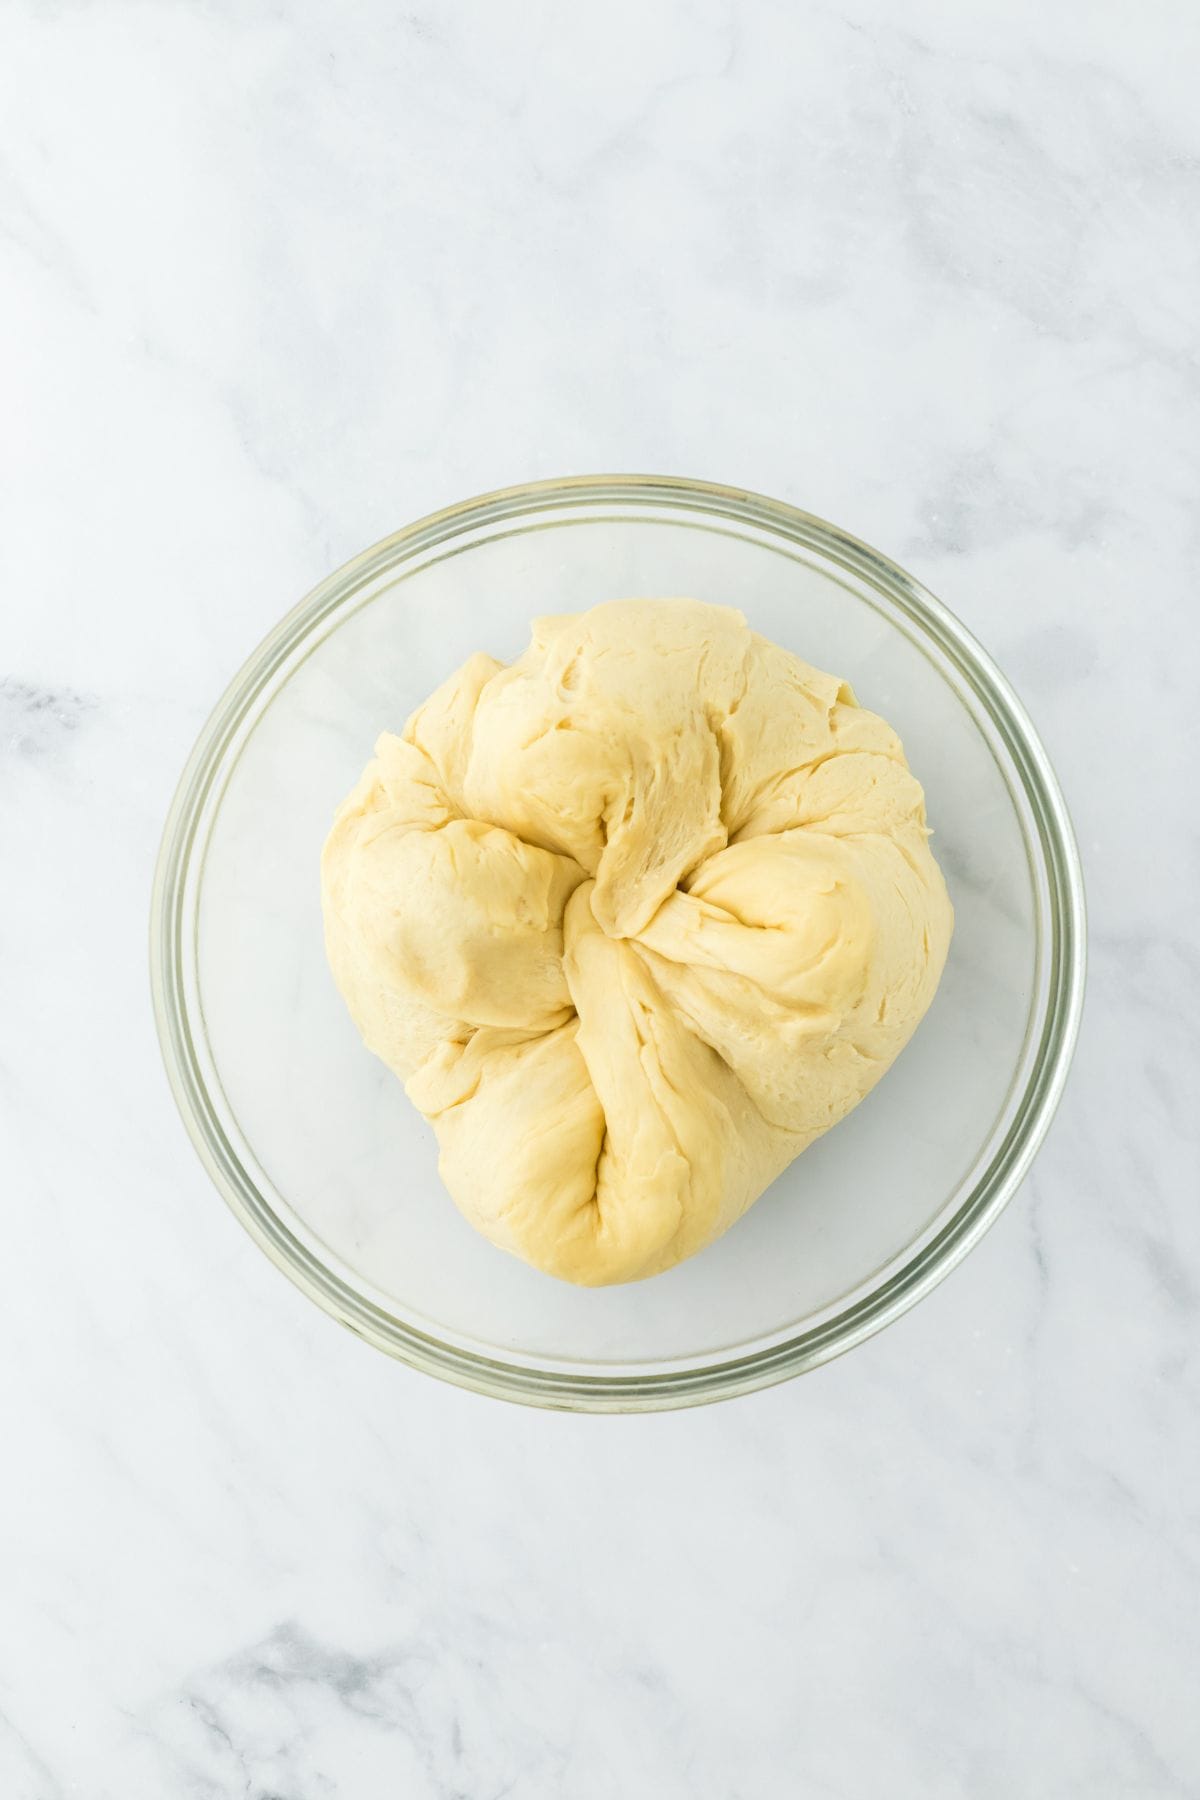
{"points": [[870, 1312]]}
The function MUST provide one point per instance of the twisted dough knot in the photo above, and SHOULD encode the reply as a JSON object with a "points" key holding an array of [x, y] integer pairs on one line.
{"points": [[635, 919]]}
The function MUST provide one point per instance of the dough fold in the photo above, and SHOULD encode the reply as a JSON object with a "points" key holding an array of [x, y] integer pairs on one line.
{"points": [[634, 919]]}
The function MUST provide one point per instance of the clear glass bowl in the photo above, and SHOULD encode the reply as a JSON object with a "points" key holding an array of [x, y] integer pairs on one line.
{"points": [[314, 1144]]}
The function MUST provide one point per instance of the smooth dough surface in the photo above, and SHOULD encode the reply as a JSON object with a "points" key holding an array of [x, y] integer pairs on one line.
{"points": [[635, 919]]}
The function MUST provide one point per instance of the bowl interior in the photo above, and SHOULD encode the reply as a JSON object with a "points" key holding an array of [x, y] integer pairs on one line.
{"points": [[326, 1135]]}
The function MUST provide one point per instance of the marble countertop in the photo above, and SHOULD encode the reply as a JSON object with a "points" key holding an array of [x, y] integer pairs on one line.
{"points": [[276, 280]]}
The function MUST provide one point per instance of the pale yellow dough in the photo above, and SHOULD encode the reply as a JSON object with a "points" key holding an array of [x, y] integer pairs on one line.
{"points": [[634, 919]]}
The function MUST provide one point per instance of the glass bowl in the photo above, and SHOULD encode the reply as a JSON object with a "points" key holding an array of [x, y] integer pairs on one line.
{"points": [[314, 1144]]}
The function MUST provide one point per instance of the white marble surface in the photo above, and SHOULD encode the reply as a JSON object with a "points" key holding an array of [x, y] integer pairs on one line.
{"points": [[275, 280]]}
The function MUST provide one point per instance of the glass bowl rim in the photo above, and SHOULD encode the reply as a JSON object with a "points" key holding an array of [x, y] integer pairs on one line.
{"points": [[869, 1312]]}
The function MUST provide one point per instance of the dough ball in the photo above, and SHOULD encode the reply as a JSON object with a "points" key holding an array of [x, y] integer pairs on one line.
{"points": [[634, 919]]}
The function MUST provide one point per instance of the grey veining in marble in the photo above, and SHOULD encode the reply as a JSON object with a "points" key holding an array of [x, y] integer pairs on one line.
{"points": [[275, 280]]}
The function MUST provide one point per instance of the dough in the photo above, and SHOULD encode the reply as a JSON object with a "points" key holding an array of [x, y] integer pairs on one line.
{"points": [[634, 919]]}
